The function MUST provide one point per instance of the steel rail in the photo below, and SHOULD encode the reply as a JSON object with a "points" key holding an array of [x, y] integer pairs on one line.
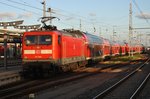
{"points": [[21, 91], [140, 87], [105, 92]]}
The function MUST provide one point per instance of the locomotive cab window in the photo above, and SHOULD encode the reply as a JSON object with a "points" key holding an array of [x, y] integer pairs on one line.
{"points": [[45, 39], [30, 40], [38, 40]]}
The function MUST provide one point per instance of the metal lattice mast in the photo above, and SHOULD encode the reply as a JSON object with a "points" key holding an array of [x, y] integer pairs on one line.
{"points": [[130, 28]]}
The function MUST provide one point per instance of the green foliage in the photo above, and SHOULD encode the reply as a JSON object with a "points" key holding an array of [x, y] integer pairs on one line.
{"points": [[124, 59]]}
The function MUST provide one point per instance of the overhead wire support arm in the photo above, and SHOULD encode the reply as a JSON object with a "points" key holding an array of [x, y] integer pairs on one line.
{"points": [[141, 11], [142, 28]]}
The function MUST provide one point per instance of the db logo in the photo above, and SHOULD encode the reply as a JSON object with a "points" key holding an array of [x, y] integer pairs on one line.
{"points": [[38, 52]]}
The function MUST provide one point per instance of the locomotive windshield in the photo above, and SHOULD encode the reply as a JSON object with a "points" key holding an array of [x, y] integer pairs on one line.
{"points": [[30, 40], [38, 40]]}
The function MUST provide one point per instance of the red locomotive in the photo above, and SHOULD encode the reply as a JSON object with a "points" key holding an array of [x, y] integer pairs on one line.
{"points": [[53, 50]]}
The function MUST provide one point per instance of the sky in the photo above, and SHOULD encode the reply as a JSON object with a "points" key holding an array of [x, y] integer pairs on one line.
{"points": [[98, 17]]}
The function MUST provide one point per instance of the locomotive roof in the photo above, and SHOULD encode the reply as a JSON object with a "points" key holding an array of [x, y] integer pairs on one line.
{"points": [[76, 34], [71, 32]]}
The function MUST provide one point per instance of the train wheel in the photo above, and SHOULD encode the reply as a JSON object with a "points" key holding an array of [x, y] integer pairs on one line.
{"points": [[82, 64], [56, 69], [73, 66], [65, 68]]}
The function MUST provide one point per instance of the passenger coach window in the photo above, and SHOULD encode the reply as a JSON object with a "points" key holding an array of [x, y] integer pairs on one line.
{"points": [[45, 39]]}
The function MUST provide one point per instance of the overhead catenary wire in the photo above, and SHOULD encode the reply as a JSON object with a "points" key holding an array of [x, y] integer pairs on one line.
{"points": [[19, 8], [28, 5], [42, 9], [75, 16], [78, 17], [25, 4], [141, 11]]}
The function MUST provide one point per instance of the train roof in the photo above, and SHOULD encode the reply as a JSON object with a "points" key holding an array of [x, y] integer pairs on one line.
{"points": [[94, 39], [118, 43], [66, 32], [73, 33], [105, 41]]}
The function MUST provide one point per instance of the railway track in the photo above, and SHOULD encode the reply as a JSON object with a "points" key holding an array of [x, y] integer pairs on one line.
{"points": [[11, 62], [9, 77], [24, 89], [12, 73], [129, 86], [139, 89], [14, 76]]}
